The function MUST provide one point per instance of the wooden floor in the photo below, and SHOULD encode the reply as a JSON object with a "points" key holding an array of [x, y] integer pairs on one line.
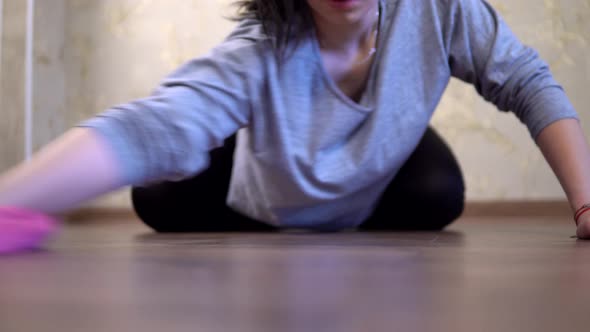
{"points": [[495, 274]]}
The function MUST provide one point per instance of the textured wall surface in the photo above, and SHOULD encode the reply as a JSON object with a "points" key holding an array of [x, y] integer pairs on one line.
{"points": [[91, 54], [50, 113], [12, 72]]}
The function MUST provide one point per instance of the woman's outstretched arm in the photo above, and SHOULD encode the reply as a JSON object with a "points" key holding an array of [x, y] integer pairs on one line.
{"points": [[565, 147], [483, 51], [75, 168], [165, 136]]}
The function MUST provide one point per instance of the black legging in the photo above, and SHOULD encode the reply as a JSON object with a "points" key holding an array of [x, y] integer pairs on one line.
{"points": [[426, 194]]}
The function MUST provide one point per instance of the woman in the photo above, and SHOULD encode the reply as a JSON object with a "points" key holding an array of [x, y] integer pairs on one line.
{"points": [[331, 101]]}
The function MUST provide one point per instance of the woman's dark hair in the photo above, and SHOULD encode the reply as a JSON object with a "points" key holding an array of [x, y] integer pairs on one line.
{"points": [[280, 18]]}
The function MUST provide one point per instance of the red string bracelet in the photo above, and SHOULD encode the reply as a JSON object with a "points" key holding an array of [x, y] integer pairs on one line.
{"points": [[585, 208]]}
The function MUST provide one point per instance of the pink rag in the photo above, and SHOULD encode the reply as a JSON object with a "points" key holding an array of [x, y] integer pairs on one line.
{"points": [[22, 229]]}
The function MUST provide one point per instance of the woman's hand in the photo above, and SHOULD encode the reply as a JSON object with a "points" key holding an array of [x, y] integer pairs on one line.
{"points": [[583, 231], [564, 146]]}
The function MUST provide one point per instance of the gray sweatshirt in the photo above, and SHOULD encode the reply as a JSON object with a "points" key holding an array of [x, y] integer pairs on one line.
{"points": [[307, 155]]}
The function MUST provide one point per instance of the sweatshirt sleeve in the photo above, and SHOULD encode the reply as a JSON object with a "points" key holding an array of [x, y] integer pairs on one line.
{"points": [[483, 51], [168, 135]]}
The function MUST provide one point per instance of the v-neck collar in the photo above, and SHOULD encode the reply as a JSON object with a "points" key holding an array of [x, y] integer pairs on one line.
{"points": [[367, 102]]}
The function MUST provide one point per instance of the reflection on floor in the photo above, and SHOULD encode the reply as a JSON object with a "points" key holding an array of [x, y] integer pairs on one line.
{"points": [[494, 274]]}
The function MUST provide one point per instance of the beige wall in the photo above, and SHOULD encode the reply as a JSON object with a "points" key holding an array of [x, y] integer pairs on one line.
{"points": [[91, 54], [50, 113], [12, 83]]}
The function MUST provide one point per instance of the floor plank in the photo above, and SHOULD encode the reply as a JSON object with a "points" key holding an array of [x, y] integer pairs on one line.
{"points": [[483, 274]]}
